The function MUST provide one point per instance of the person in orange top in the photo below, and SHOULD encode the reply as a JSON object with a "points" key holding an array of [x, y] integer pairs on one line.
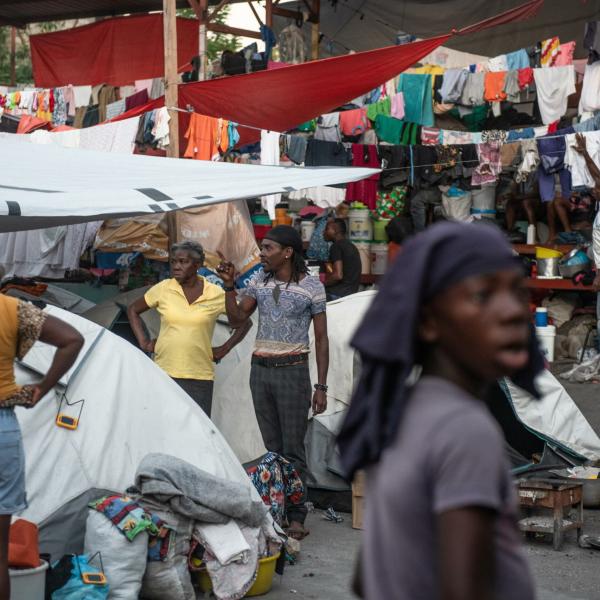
{"points": [[398, 230], [21, 325]]}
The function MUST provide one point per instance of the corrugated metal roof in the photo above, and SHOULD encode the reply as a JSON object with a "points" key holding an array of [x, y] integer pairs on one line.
{"points": [[21, 12]]}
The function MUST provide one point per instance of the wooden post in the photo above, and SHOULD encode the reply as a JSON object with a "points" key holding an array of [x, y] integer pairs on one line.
{"points": [[269, 13], [171, 94], [203, 39], [13, 55], [315, 33]]}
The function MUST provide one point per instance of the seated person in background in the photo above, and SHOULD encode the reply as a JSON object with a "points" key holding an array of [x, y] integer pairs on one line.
{"points": [[398, 230], [521, 197], [344, 277]]}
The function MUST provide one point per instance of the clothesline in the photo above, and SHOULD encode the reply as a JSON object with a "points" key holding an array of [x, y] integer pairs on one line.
{"points": [[191, 111]]}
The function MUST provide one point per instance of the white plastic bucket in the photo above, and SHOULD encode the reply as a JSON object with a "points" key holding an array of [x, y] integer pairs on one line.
{"points": [[307, 229], [547, 337], [379, 253], [360, 225], [28, 584], [364, 251], [484, 202]]}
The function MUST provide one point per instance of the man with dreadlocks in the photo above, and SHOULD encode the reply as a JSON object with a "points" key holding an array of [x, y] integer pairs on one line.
{"points": [[288, 300]]}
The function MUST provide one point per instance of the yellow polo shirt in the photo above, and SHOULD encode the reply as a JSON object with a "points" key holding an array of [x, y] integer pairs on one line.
{"points": [[184, 345]]}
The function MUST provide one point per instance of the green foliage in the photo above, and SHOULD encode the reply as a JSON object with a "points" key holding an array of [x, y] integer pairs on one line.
{"points": [[217, 42]]}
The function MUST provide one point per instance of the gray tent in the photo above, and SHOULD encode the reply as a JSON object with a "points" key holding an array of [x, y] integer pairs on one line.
{"points": [[368, 24]]}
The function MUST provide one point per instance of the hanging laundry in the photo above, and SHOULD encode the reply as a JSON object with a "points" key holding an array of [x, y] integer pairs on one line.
{"points": [[511, 86], [59, 116], [323, 196], [365, 190], [69, 94], [291, 45], [530, 162], [143, 84], [474, 90], [576, 163], [565, 56], [127, 90], [137, 99], [525, 77], [449, 137], [397, 108], [160, 131], [591, 41], [157, 89], [327, 154], [389, 129], [328, 128], [295, 148], [382, 107], [233, 134], [116, 137], [490, 164], [106, 95], [517, 60], [498, 63], [549, 52], [551, 171], [453, 85], [82, 94], [534, 53], [494, 86], [554, 86], [430, 136], [418, 98], [114, 109], [353, 122], [590, 92], [269, 155], [207, 137]]}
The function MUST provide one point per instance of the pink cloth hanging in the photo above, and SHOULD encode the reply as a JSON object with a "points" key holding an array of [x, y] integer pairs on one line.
{"points": [[364, 191]]}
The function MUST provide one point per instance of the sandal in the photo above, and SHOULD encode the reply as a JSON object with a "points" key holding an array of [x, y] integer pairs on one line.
{"points": [[297, 532]]}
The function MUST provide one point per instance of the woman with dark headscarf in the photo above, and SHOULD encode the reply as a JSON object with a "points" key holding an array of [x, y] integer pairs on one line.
{"points": [[189, 306], [441, 510]]}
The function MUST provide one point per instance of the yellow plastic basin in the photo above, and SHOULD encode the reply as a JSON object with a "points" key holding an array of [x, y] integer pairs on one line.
{"points": [[541, 252], [262, 585]]}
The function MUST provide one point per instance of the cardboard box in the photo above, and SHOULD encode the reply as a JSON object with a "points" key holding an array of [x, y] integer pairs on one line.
{"points": [[358, 500]]}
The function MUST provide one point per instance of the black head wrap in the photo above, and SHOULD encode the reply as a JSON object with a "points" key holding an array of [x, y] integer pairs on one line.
{"points": [[430, 263], [287, 237]]}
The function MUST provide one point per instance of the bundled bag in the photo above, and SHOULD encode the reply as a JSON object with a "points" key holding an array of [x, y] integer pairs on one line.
{"points": [[169, 579], [456, 204], [391, 203], [65, 580], [124, 560]]}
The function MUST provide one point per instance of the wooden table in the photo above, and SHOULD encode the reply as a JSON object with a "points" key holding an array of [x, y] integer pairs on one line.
{"points": [[551, 495]]}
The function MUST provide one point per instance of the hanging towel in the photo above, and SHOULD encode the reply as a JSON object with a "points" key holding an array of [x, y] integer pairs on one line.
{"points": [[550, 50], [418, 100], [517, 60], [397, 110], [494, 86], [554, 86], [382, 107], [474, 90], [389, 129], [498, 63], [269, 155]]}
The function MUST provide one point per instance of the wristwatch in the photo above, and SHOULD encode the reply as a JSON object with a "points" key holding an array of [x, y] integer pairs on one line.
{"points": [[321, 387], [228, 288]]}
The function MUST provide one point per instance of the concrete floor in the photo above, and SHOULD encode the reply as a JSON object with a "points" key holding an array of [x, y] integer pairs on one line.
{"points": [[325, 567]]}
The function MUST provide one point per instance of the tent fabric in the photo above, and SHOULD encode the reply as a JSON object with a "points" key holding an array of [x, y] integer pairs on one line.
{"points": [[131, 408], [358, 25], [281, 99], [114, 51], [71, 185]]}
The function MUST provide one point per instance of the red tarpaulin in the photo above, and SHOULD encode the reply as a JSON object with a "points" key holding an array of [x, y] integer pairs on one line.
{"points": [[115, 51], [283, 98]]}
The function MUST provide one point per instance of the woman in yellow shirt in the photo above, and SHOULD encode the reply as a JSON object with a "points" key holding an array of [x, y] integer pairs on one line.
{"points": [[21, 325], [189, 306]]}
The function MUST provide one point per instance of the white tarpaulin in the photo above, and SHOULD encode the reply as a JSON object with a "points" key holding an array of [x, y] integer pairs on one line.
{"points": [[47, 185], [131, 408]]}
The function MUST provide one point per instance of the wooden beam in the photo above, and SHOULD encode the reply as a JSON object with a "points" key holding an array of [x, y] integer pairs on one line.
{"points": [[171, 94], [284, 12], [13, 55], [216, 10], [251, 5], [195, 7], [269, 13], [203, 39], [218, 28]]}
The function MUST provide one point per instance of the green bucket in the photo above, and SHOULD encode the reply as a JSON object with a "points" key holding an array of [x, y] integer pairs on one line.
{"points": [[379, 234]]}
